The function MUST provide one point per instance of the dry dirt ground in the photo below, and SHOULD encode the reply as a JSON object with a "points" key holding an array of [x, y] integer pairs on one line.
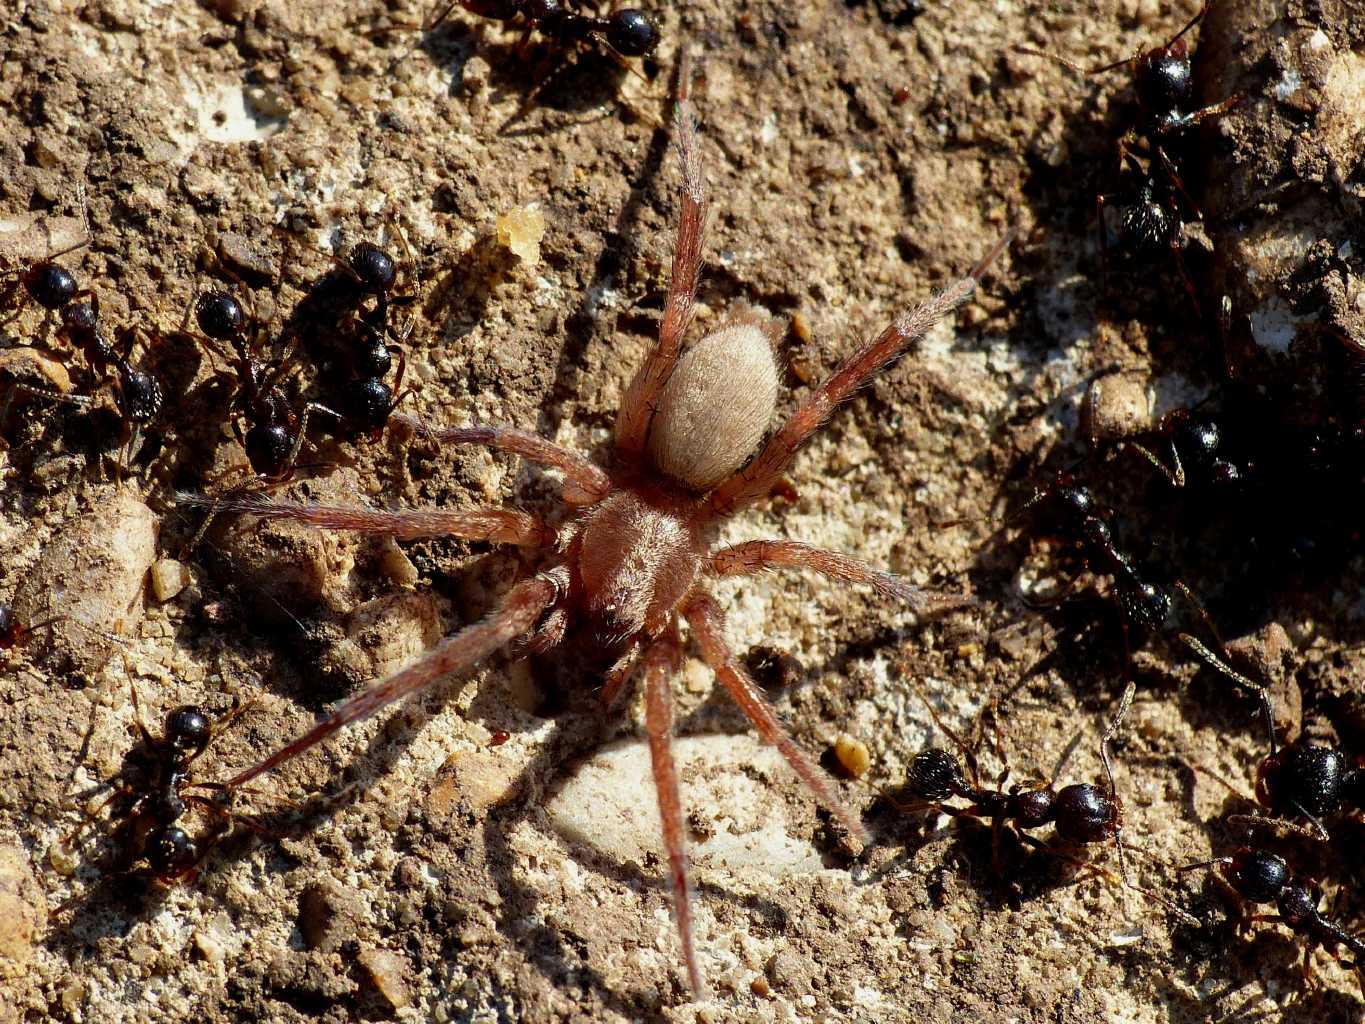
{"points": [[859, 154]]}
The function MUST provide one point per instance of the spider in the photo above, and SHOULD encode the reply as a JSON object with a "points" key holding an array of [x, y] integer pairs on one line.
{"points": [[637, 557]]}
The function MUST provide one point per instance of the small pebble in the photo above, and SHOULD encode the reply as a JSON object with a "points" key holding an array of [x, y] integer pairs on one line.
{"points": [[520, 230], [853, 756], [169, 578], [386, 971]]}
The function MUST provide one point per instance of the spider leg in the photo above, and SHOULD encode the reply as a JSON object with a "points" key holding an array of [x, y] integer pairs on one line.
{"points": [[708, 624], [584, 483], [498, 525], [757, 478], [637, 409], [619, 674], [660, 664], [515, 616], [756, 556]]}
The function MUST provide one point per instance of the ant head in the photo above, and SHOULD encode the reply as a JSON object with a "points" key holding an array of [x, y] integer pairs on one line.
{"points": [[1162, 80], [1085, 814], [219, 315], [1305, 776], [268, 447], [631, 32], [79, 317], [1034, 808], [140, 396], [373, 268], [935, 775], [171, 853], [1069, 504], [367, 403], [1197, 437], [187, 730], [50, 284], [1257, 875]]}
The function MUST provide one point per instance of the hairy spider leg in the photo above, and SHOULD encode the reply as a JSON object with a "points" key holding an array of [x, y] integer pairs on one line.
{"points": [[757, 556], [708, 624], [755, 480], [516, 615], [661, 663], [584, 483], [641, 400]]}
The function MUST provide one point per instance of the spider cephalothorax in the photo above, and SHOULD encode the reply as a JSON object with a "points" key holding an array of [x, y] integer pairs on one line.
{"points": [[637, 557]]}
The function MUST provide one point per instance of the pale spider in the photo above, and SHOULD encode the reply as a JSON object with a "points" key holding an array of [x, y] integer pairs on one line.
{"points": [[640, 549]]}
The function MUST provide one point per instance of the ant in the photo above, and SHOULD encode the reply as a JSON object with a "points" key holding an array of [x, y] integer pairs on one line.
{"points": [[155, 802], [335, 307], [46, 281], [628, 31], [12, 634], [1080, 813], [1258, 876], [275, 433], [138, 394], [1301, 779], [1163, 85]]}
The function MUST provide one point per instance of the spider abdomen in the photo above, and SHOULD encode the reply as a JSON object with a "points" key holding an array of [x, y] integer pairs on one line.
{"points": [[716, 406]]}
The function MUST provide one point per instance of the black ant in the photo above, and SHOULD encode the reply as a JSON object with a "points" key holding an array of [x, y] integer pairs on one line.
{"points": [[1081, 813], [1151, 218], [628, 31], [46, 281], [1258, 876], [138, 395], [154, 803], [334, 308], [1196, 447]]}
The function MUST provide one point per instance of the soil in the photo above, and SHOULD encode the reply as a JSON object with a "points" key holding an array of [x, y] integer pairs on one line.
{"points": [[489, 851]]}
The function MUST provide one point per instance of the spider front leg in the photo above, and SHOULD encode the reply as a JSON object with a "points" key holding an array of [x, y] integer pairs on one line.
{"points": [[516, 615], [756, 556], [766, 469], [584, 483], [661, 664], [708, 625], [641, 400], [497, 525]]}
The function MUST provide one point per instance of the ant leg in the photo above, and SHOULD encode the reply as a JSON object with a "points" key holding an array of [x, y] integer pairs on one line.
{"points": [[754, 557], [1258, 690], [137, 706], [516, 615], [754, 481], [641, 399], [497, 525], [708, 623], [584, 482], [1176, 476], [1281, 828], [660, 665]]}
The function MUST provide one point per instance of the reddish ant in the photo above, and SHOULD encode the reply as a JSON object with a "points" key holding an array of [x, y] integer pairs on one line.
{"points": [[1258, 876]]}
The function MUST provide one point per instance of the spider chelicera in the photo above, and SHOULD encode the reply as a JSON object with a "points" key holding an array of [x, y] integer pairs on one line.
{"points": [[638, 556]]}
